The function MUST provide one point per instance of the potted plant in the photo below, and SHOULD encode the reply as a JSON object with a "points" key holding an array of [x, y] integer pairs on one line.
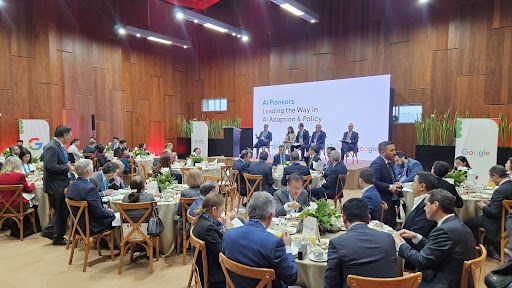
{"points": [[196, 159], [164, 180], [459, 176], [325, 214]]}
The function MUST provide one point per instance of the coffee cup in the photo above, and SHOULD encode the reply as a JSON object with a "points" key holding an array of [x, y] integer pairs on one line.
{"points": [[318, 253]]}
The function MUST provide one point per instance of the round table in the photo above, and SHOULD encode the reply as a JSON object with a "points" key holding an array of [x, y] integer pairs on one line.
{"points": [[43, 207], [208, 171], [315, 180], [146, 160], [166, 212]]}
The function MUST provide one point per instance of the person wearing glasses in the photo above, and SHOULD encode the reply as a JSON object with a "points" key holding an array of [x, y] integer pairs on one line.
{"points": [[291, 198]]}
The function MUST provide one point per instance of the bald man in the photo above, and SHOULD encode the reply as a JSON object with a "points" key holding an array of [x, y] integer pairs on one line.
{"points": [[117, 182], [349, 141]]}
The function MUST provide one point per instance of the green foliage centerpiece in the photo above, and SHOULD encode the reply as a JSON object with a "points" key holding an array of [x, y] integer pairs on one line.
{"points": [[196, 159], [459, 176], [324, 213], [164, 180]]}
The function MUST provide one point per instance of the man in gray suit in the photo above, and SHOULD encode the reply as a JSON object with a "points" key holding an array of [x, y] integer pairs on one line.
{"points": [[55, 180], [440, 257], [292, 198], [362, 251], [101, 178]]}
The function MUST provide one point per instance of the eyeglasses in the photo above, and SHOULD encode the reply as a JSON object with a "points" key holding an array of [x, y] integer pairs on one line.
{"points": [[295, 188]]}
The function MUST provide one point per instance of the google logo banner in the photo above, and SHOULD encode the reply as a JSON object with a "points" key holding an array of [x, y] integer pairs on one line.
{"points": [[35, 134]]}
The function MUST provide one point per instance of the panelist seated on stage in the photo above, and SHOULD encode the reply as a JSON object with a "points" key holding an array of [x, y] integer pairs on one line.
{"points": [[295, 167], [406, 168], [349, 141], [292, 198], [301, 140], [281, 157], [263, 139], [317, 138], [290, 137], [328, 189]]}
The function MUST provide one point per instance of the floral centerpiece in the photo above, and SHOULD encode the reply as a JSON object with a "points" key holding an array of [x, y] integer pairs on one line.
{"points": [[35, 159], [164, 180], [324, 213], [286, 163], [196, 159], [459, 176], [138, 152], [108, 148], [6, 152]]}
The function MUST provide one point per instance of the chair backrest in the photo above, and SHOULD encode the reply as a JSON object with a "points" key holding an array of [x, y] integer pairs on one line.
{"points": [[471, 266], [185, 170], [264, 274], [144, 170], [88, 155], [8, 209], [82, 209], [383, 209], [95, 163], [215, 179], [507, 207], [131, 166], [185, 205], [225, 173], [257, 180], [410, 281], [229, 161], [199, 246], [235, 179], [191, 219], [135, 232], [230, 191], [339, 183]]}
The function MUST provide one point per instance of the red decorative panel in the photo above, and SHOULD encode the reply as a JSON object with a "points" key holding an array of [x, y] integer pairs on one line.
{"points": [[195, 4]]}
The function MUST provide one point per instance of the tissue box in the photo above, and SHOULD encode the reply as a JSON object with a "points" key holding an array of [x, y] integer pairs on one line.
{"points": [[303, 252]]}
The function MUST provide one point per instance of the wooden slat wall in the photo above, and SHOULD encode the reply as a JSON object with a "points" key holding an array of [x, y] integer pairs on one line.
{"points": [[61, 60]]}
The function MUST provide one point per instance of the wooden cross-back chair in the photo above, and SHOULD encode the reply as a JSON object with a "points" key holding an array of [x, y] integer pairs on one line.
{"points": [[234, 176], [191, 219], [185, 170], [506, 207], [200, 247], [136, 235], [257, 180], [231, 193], [229, 161], [185, 205], [265, 275], [144, 171], [339, 189], [225, 178], [474, 267], [88, 155], [16, 213], [131, 167], [77, 234], [383, 209], [410, 281], [215, 179]]}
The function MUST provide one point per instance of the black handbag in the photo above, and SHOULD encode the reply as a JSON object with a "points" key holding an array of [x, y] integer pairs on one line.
{"points": [[501, 277], [155, 225]]}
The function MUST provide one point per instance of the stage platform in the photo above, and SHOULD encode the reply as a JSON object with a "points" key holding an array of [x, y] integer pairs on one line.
{"points": [[353, 169]]}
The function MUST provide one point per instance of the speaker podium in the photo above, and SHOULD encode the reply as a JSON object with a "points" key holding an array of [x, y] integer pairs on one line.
{"points": [[231, 143]]}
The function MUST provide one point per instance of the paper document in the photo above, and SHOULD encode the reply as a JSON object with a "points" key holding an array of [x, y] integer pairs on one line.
{"points": [[237, 223], [117, 220], [319, 166]]}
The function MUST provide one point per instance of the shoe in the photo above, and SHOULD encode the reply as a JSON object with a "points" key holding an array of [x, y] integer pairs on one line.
{"points": [[62, 242], [47, 235]]}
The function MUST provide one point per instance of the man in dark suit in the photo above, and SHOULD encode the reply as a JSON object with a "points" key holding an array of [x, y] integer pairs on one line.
{"points": [[301, 140], [349, 141], [100, 219], [417, 220], [295, 167], [55, 180], [115, 143], [101, 179], [122, 144], [370, 194], [262, 168], [281, 157], [312, 157], [440, 257], [253, 246], [440, 169], [389, 190], [328, 165], [264, 139], [292, 198], [362, 251], [491, 218], [406, 168], [241, 165], [328, 189], [91, 147], [317, 138]]}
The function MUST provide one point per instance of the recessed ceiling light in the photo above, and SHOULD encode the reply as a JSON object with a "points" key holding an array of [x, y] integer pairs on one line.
{"points": [[138, 35], [245, 38], [423, 1], [121, 31], [180, 15], [195, 21]]}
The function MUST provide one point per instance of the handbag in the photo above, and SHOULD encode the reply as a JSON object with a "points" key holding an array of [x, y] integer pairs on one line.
{"points": [[400, 211], [501, 277], [155, 225]]}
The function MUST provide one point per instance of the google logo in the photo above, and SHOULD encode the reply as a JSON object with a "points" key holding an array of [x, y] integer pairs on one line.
{"points": [[33, 144], [483, 153], [370, 149]]}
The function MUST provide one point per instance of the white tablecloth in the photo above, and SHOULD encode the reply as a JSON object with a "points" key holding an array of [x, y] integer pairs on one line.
{"points": [[148, 161], [43, 207], [315, 180]]}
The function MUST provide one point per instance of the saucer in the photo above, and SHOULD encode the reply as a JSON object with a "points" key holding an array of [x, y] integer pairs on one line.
{"points": [[312, 258]]}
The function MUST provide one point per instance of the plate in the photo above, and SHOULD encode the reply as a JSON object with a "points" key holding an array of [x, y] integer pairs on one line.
{"points": [[317, 260]]}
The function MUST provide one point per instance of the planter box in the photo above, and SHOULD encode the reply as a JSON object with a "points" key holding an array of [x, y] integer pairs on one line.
{"points": [[183, 147], [428, 154]]}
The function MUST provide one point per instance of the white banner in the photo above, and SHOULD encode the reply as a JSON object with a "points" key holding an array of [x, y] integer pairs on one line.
{"points": [[35, 135], [199, 137], [477, 140]]}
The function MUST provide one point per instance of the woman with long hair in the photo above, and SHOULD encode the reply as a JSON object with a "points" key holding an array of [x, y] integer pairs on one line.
{"points": [[138, 195], [289, 138], [26, 162]]}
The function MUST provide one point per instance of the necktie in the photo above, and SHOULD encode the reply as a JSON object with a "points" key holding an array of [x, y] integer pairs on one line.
{"points": [[282, 160], [64, 154], [265, 134], [316, 137], [300, 137], [348, 135]]}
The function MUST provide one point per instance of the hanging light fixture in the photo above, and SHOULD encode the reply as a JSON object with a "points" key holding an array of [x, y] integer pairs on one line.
{"points": [[298, 9], [152, 36]]}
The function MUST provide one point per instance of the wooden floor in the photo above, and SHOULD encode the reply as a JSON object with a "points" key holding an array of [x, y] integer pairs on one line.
{"points": [[35, 263]]}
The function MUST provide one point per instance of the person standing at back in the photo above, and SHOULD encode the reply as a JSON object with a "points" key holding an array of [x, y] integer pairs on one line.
{"points": [[55, 179]]}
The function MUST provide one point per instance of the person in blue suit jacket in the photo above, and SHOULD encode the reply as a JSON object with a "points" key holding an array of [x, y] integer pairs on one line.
{"points": [[328, 165], [370, 194], [317, 138], [253, 246], [242, 165], [262, 168], [349, 141], [281, 157], [406, 168], [328, 189], [384, 174], [301, 140], [100, 219], [442, 255], [362, 251], [295, 167], [263, 139]]}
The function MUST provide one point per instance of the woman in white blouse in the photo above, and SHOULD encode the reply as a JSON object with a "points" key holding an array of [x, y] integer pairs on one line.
{"points": [[27, 167], [73, 149], [289, 138]]}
